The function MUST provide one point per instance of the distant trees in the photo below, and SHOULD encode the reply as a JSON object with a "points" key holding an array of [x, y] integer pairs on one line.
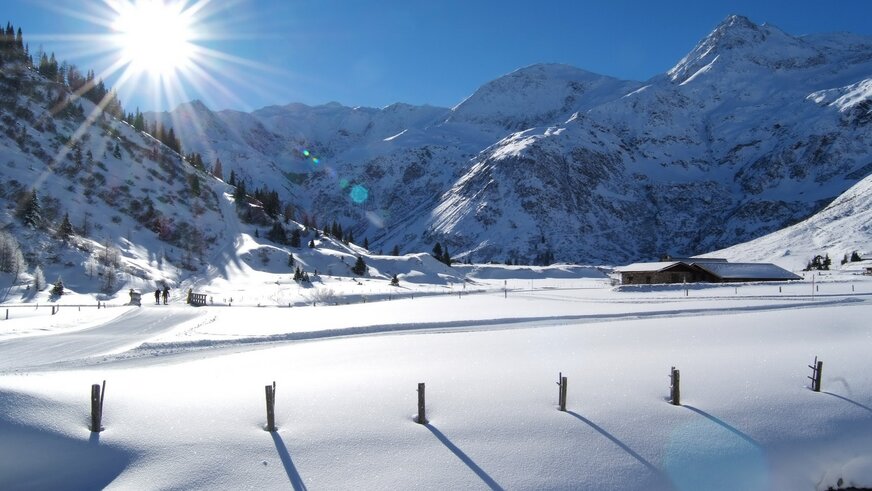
{"points": [[440, 254], [11, 258], [819, 263]]}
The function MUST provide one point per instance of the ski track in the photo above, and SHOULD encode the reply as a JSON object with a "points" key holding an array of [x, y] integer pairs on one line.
{"points": [[181, 348]]}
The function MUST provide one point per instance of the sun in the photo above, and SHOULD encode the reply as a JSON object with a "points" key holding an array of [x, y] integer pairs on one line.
{"points": [[154, 36]]}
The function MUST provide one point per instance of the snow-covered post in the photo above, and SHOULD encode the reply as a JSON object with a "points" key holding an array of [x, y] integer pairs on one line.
{"points": [[675, 388], [97, 406], [422, 416], [271, 407]]}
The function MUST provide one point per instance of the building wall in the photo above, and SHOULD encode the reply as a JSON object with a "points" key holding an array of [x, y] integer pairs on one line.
{"points": [[669, 276]]}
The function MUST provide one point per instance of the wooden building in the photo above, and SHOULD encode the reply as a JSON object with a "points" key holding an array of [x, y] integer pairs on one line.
{"points": [[701, 271]]}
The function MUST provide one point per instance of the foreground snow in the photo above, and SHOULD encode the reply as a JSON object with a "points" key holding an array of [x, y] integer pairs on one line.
{"points": [[185, 401]]}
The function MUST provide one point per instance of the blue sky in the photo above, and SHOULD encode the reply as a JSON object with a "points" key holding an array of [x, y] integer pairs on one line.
{"points": [[374, 53]]}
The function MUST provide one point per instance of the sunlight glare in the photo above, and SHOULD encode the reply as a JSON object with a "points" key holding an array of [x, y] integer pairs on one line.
{"points": [[154, 36]]}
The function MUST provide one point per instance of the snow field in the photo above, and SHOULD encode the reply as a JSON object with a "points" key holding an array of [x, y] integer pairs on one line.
{"points": [[345, 406]]}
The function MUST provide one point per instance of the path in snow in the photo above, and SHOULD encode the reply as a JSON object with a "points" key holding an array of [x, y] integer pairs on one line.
{"points": [[124, 332]]}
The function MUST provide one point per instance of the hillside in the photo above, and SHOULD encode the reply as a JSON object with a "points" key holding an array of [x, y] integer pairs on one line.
{"points": [[754, 129]]}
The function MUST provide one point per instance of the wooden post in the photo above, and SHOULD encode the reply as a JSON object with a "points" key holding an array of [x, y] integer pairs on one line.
{"points": [[562, 394], [422, 416], [817, 367], [675, 392], [97, 407], [271, 407]]}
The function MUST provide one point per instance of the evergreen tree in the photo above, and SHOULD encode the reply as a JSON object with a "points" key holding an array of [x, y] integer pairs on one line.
{"points": [[298, 275], [65, 230], [395, 281], [58, 288], [31, 212], [277, 233], [366, 243], [116, 152], [855, 257], [38, 279], [395, 251], [295, 238], [232, 179], [437, 251], [311, 244], [446, 258], [218, 170], [239, 194], [359, 267], [290, 260]]}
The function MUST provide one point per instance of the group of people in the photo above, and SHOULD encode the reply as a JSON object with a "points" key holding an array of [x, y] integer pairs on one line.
{"points": [[166, 295]]}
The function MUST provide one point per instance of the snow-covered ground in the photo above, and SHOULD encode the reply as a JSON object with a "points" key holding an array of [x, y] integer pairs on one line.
{"points": [[184, 406]]}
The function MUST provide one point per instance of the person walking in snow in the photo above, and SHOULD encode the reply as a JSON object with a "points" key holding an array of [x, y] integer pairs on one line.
{"points": [[166, 294], [157, 296]]}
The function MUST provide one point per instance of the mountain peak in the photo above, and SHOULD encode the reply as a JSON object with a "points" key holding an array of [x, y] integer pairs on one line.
{"points": [[739, 43]]}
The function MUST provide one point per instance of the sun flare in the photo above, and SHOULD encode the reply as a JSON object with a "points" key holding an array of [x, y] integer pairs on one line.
{"points": [[154, 36]]}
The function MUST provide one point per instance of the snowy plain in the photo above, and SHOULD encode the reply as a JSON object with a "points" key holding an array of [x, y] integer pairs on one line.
{"points": [[185, 408]]}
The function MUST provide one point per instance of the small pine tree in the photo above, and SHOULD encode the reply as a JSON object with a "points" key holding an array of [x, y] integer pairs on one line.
{"points": [[359, 267], [298, 275], [855, 257], [845, 260], [366, 243], [446, 258], [65, 230], [58, 288], [290, 260], [312, 244], [31, 211], [295, 238], [437, 251], [116, 152], [38, 279], [395, 281], [395, 251]]}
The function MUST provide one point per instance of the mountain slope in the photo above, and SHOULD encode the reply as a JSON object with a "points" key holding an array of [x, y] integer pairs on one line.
{"points": [[754, 129]]}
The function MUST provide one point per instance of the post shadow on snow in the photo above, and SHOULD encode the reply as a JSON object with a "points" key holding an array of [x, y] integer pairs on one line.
{"points": [[724, 425], [837, 396], [654, 470], [464, 458], [290, 468]]}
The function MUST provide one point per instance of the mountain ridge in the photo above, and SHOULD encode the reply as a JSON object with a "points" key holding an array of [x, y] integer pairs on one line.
{"points": [[738, 139]]}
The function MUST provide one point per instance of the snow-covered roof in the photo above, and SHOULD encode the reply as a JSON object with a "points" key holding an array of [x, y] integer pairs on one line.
{"points": [[747, 271], [647, 267]]}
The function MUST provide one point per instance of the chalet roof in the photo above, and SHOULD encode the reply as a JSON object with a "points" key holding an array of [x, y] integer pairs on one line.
{"points": [[647, 267], [747, 271]]}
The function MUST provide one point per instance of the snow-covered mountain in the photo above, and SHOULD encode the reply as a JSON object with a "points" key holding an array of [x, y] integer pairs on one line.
{"points": [[754, 129], [839, 230]]}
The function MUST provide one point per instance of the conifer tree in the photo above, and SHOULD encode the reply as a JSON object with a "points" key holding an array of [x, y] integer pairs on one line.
{"points": [[437, 251], [31, 212], [58, 288], [65, 230], [218, 170], [359, 267], [295, 238], [38, 279], [290, 260], [395, 251]]}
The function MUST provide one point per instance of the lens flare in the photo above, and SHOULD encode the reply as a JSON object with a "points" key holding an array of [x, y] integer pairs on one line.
{"points": [[359, 194]]}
